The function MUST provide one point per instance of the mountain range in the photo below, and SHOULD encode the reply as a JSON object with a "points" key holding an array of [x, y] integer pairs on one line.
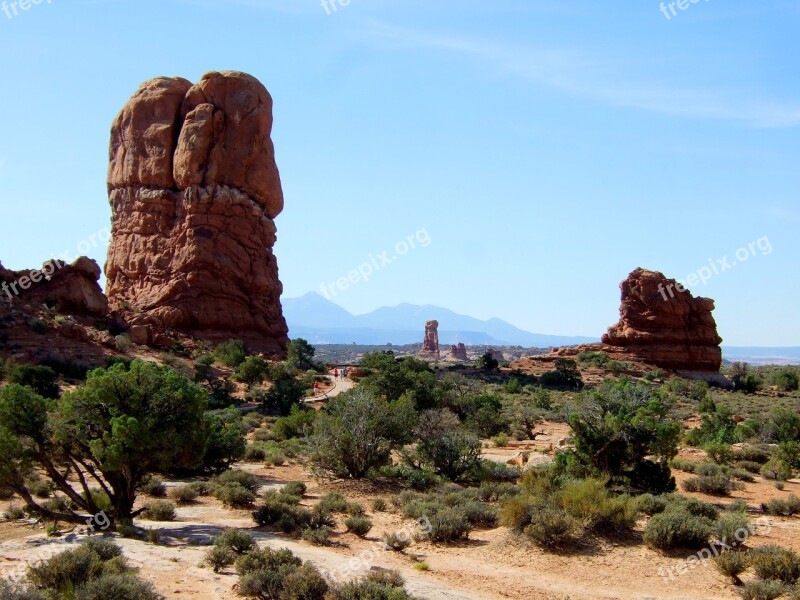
{"points": [[321, 321]]}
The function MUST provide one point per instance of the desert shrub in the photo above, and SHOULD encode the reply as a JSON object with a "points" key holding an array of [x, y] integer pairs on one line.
{"points": [[732, 564], [733, 527], [742, 475], [444, 447], [792, 505], [287, 518], [566, 374], [683, 465], [354, 509], [776, 470], [297, 424], [159, 510], [275, 459], [449, 525], [234, 495], [551, 527], [776, 563], [775, 507], [719, 452], [38, 485], [395, 542], [649, 504], [320, 536], [762, 590], [237, 541], [13, 513], [715, 485], [252, 370], [123, 343], [621, 430], [321, 518], [243, 478], [333, 502], [710, 470], [119, 587], [255, 452], [183, 494], [218, 557], [381, 426], [278, 574], [752, 453], [479, 514], [295, 488], [500, 440], [376, 585], [359, 526], [676, 527], [786, 378], [154, 487], [749, 466], [231, 353], [16, 591], [379, 505], [263, 435]]}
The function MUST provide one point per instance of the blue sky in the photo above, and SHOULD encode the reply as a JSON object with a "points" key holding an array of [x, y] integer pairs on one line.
{"points": [[545, 148]]}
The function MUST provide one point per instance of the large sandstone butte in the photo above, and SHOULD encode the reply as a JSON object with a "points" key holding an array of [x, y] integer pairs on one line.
{"points": [[666, 327], [194, 189], [430, 345]]}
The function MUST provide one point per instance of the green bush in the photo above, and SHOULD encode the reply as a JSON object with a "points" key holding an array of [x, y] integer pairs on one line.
{"points": [[218, 557], [13, 513], [719, 452], [715, 485], [754, 454], [449, 525], [742, 475], [650, 505], [278, 574], [154, 487], [231, 353], [320, 536], [777, 564], [359, 526], [295, 488], [17, 591], [333, 502], [159, 510], [751, 467], [395, 542], [234, 495], [237, 541], [733, 528], [683, 465], [118, 587], [379, 505], [183, 494], [776, 470], [762, 590], [243, 478], [298, 424], [732, 564], [677, 528], [252, 370], [287, 518], [787, 379], [41, 380], [551, 527], [376, 585]]}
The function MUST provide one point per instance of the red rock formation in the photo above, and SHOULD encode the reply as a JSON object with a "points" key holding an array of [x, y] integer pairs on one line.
{"points": [[70, 289], [430, 345], [664, 326], [458, 352], [194, 189]]}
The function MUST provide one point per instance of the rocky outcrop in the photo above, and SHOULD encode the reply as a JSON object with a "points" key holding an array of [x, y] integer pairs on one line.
{"points": [[430, 345], [69, 288], [458, 352], [663, 324], [194, 189]]}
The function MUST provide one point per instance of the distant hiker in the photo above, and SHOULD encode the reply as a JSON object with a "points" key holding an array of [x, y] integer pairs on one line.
{"points": [[336, 373], [316, 388]]}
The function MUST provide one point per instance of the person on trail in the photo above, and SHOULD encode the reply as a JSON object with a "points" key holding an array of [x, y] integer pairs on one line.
{"points": [[316, 388], [336, 373]]}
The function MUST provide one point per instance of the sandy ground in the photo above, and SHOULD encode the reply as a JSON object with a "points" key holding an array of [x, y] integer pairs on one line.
{"points": [[493, 564]]}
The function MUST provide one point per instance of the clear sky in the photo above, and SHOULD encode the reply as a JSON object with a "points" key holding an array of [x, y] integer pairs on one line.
{"points": [[540, 149]]}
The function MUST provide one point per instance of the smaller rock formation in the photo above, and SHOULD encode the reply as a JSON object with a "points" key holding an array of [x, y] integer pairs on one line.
{"points": [[458, 352], [496, 354], [663, 324], [70, 289], [430, 345]]}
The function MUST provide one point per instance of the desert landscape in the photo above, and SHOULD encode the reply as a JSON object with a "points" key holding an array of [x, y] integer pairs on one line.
{"points": [[174, 425]]}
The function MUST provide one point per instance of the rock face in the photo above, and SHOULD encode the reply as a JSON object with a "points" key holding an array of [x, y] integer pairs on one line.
{"points": [[70, 289], [194, 189], [430, 345], [458, 352], [665, 326]]}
